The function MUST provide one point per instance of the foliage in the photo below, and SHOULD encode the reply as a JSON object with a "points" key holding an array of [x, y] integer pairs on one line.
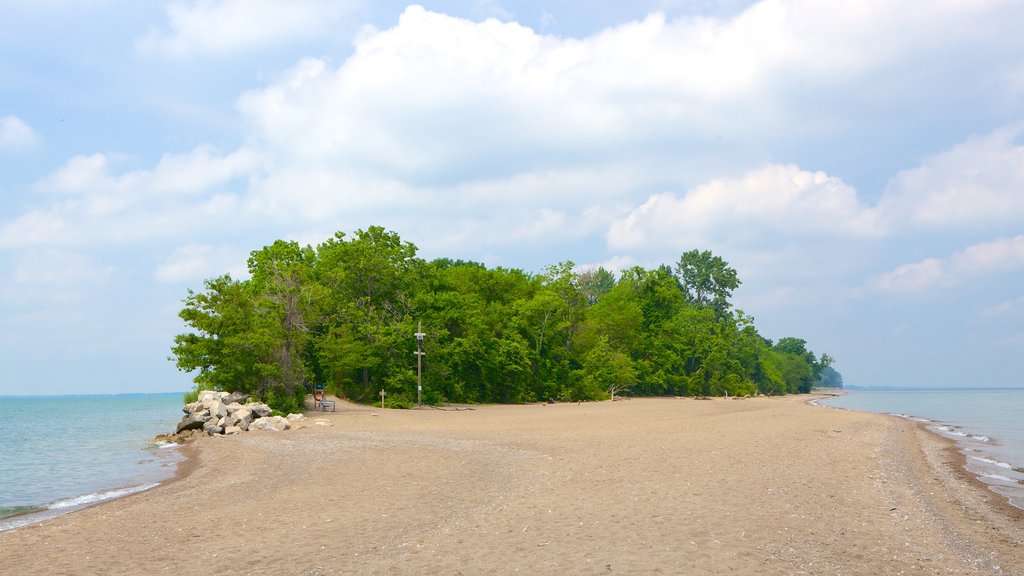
{"points": [[343, 314]]}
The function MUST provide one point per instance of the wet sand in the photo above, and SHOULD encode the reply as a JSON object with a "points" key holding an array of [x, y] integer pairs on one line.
{"points": [[646, 486]]}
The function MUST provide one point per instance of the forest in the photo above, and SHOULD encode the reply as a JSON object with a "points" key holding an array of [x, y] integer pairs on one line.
{"points": [[343, 315]]}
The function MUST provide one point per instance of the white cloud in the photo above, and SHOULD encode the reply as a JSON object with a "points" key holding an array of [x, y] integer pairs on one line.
{"points": [[1008, 308], [90, 201], [928, 273], [16, 134], [977, 183], [40, 277], [977, 260], [776, 201], [219, 27], [195, 262]]}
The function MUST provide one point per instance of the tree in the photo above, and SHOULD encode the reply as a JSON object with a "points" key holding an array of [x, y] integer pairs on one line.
{"points": [[605, 372], [707, 279], [593, 284], [284, 300], [223, 346]]}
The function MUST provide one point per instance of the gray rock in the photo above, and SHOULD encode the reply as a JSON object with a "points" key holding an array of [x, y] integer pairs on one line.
{"points": [[189, 423], [260, 409], [218, 409], [234, 398], [275, 423], [207, 396]]}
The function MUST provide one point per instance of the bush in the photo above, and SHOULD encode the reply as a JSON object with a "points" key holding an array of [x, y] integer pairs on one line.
{"points": [[398, 400], [284, 404]]}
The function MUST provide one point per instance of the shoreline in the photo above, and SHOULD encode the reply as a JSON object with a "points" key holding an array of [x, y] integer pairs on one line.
{"points": [[962, 443], [750, 486]]}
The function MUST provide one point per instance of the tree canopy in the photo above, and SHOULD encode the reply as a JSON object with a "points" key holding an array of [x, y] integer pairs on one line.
{"points": [[343, 314]]}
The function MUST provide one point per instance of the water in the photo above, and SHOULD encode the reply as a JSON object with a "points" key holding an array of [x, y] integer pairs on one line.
{"points": [[60, 453], [988, 426]]}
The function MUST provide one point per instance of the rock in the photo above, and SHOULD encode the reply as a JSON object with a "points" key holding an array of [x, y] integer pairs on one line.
{"points": [[218, 409], [203, 416], [211, 428], [241, 418], [260, 409], [232, 430], [207, 396], [223, 422], [234, 407], [189, 423], [234, 398], [275, 423], [294, 417], [192, 407]]}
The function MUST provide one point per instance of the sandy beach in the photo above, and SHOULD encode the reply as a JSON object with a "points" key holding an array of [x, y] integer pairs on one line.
{"points": [[646, 486]]}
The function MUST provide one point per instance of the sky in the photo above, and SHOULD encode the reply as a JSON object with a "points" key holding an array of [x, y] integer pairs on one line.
{"points": [[859, 163]]}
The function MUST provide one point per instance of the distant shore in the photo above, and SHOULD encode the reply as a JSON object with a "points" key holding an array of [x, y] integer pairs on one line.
{"points": [[744, 486]]}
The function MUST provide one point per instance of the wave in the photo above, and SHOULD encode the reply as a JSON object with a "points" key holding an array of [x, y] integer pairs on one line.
{"points": [[992, 462], [95, 497]]}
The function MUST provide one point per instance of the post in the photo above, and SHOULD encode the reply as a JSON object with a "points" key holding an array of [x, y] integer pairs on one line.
{"points": [[419, 362], [382, 395]]}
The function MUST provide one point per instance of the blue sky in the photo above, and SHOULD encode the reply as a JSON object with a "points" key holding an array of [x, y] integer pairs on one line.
{"points": [[861, 163]]}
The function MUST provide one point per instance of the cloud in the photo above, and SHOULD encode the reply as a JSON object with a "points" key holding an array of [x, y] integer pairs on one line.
{"points": [[978, 260], [221, 27], [39, 277], [490, 131], [194, 262], [776, 201], [979, 183], [90, 200], [16, 134], [1006, 309]]}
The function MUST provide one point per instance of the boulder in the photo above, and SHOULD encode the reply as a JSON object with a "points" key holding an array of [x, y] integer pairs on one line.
{"points": [[207, 396], [293, 417], [192, 407], [232, 430], [234, 398], [275, 423], [241, 418], [260, 409], [189, 423], [218, 409]]}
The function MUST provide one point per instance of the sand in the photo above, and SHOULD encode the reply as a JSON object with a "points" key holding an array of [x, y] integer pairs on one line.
{"points": [[646, 486]]}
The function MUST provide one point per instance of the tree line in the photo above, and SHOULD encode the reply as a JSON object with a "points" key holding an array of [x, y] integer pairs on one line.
{"points": [[343, 315]]}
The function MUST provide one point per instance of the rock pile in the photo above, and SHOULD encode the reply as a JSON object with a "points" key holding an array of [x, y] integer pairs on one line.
{"points": [[216, 413]]}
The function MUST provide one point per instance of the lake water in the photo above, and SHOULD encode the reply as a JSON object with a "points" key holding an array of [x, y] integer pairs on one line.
{"points": [[988, 426], [60, 453]]}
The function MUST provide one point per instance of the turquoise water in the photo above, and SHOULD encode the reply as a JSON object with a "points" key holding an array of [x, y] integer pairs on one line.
{"points": [[988, 426], [59, 453]]}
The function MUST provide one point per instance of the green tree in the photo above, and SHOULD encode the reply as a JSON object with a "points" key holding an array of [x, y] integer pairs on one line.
{"points": [[707, 279]]}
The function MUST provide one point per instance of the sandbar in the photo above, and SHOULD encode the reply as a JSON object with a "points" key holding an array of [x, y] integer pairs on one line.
{"points": [[644, 486]]}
